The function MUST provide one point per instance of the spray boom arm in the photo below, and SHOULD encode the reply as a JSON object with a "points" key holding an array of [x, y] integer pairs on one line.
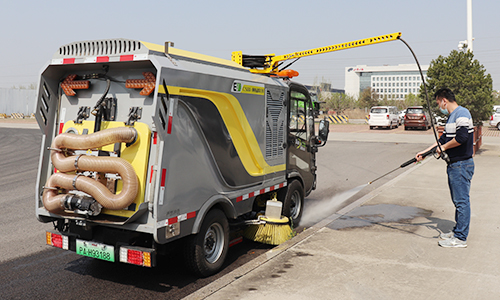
{"points": [[269, 64]]}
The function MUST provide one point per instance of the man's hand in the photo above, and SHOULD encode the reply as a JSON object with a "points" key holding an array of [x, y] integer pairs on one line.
{"points": [[419, 157]]}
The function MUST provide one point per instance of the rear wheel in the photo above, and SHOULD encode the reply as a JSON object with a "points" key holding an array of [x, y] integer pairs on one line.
{"points": [[206, 251], [294, 202], [498, 125]]}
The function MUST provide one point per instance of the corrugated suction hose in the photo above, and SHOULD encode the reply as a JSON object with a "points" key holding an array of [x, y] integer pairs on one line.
{"points": [[55, 202]]}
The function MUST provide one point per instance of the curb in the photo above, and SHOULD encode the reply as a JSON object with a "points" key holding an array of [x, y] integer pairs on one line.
{"points": [[238, 273]]}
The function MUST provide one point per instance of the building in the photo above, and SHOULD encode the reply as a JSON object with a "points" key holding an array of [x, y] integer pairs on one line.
{"points": [[393, 82]]}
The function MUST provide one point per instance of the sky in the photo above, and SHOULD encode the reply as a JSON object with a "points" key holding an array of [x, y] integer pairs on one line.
{"points": [[32, 31]]}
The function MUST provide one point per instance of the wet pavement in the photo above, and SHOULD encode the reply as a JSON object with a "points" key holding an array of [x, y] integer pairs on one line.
{"points": [[379, 214], [385, 245]]}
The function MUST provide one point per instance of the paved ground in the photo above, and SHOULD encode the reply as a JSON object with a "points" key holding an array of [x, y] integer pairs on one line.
{"points": [[384, 246]]}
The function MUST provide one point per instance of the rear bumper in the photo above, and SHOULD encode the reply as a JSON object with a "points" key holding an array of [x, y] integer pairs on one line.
{"points": [[412, 123], [108, 251], [379, 122]]}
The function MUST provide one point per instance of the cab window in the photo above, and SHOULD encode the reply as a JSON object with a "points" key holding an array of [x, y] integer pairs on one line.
{"points": [[298, 114]]}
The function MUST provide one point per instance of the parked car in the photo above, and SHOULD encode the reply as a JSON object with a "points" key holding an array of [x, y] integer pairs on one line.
{"points": [[383, 116], [417, 117], [440, 121], [495, 117], [401, 116]]}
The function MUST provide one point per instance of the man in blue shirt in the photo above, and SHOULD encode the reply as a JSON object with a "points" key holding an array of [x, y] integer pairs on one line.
{"points": [[458, 141]]}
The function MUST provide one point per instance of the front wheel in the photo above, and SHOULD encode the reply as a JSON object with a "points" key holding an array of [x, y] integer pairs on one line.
{"points": [[206, 251], [498, 125], [294, 202]]}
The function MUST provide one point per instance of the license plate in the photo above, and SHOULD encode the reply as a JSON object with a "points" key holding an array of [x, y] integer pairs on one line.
{"points": [[95, 250]]}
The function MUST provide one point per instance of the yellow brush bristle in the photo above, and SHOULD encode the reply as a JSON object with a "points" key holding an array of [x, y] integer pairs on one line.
{"points": [[269, 233]]}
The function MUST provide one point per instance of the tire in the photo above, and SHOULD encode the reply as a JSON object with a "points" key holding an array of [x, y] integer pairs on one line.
{"points": [[206, 251], [498, 125], [293, 206], [406, 128], [371, 127]]}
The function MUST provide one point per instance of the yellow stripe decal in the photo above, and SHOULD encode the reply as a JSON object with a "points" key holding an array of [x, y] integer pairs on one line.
{"points": [[237, 124]]}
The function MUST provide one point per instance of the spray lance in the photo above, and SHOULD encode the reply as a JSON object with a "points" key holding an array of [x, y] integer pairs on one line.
{"points": [[443, 155]]}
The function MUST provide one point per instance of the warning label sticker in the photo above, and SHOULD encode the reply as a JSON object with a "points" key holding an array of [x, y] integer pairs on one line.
{"points": [[248, 88]]}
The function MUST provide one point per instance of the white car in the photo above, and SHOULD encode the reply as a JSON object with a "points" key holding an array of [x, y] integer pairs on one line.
{"points": [[440, 121], [383, 116], [401, 116], [495, 117]]}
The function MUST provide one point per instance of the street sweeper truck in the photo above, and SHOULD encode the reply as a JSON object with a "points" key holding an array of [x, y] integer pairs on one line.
{"points": [[146, 144]]}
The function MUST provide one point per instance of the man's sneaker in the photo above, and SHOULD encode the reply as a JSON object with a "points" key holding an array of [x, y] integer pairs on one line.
{"points": [[446, 236], [453, 243]]}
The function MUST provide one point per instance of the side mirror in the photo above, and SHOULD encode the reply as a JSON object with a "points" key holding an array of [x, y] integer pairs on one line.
{"points": [[324, 129]]}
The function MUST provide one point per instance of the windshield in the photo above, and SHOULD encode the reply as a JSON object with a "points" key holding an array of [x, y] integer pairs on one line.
{"points": [[378, 110], [415, 111]]}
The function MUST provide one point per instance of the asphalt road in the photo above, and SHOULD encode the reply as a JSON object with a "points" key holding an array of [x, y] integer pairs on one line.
{"points": [[30, 269]]}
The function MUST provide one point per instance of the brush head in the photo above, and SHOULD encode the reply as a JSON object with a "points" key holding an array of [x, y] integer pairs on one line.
{"points": [[272, 232], [279, 221]]}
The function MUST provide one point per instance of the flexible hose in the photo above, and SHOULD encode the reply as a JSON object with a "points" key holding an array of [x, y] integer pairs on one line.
{"points": [[426, 94], [54, 202]]}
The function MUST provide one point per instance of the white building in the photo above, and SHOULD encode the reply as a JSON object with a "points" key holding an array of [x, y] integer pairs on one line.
{"points": [[395, 82]]}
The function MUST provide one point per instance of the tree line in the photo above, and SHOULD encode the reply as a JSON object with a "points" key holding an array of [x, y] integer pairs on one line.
{"points": [[459, 71]]}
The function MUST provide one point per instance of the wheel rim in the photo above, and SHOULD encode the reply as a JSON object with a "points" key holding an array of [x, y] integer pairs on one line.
{"points": [[213, 243], [295, 205]]}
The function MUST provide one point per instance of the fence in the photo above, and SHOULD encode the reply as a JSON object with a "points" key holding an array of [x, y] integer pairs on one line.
{"points": [[17, 101]]}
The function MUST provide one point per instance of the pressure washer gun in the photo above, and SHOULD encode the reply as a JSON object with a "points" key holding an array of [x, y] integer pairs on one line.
{"points": [[442, 155]]}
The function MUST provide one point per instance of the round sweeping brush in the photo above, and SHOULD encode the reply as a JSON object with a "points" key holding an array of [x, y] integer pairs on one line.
{"points": [[272, 229]]}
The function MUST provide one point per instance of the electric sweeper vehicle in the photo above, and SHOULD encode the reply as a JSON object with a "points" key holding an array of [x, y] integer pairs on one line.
{"points": [[146, 144]]}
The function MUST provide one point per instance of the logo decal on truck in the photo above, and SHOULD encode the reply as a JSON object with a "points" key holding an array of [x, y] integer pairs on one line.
{"points": [[248, 88]]}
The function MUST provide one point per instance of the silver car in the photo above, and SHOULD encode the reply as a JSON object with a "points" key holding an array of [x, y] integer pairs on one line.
{"points": [[495, 117]]}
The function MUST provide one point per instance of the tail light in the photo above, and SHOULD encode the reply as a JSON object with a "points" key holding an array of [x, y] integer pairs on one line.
{"points": [[387, 116], [491, 119], [424, 118], [137, 256], [57, 240]]}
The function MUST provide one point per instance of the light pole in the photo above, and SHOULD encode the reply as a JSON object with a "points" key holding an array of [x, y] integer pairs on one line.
{"points": [[467, 44]]}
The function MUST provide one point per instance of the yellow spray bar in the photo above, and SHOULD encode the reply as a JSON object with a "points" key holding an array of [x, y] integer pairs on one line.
{"points": [[271, 65]]}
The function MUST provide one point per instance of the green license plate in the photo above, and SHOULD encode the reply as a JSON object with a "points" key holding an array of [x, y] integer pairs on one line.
{"points": [[95, 250]]}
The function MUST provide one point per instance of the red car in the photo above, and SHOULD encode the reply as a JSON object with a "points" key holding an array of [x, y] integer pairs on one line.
{"points": [[417, 117]]}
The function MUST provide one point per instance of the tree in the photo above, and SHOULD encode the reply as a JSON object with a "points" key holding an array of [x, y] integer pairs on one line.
{"points": [[496, 97], [368, 98], [412, 100], [466, 77], [339, 102]]}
